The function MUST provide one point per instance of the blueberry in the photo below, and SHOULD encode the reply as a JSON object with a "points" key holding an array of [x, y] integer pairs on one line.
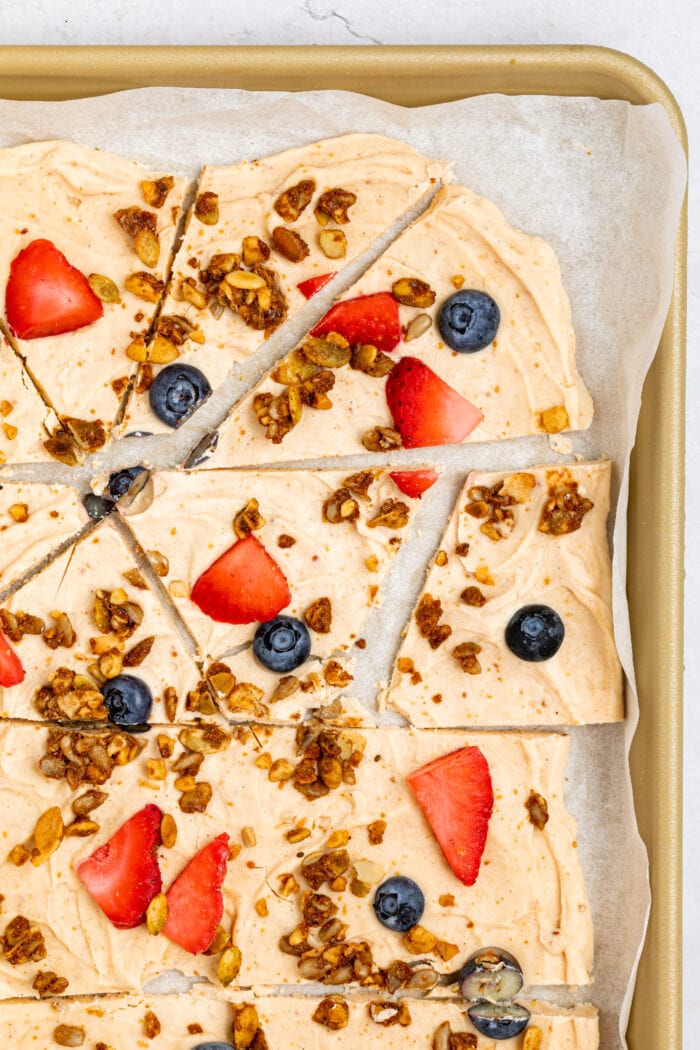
{"points": [[128, 701], [469, 320], [121, 482], [499, 1020], [176, 392], [491, 974], [282, 644], [212, 1046], [535, 633], [399, 904], [97, 507]]}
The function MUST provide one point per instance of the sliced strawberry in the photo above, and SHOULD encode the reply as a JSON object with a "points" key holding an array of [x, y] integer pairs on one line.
{"points": [[123, 875], [314, 284], [11, 670], [46, 295], [426, 410], [456, 795], [372, 319], [414, 483], [195, 901], [244, 585]]}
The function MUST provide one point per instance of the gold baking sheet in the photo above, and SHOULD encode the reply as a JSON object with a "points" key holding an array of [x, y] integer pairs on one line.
{"points": [[415, 76]]}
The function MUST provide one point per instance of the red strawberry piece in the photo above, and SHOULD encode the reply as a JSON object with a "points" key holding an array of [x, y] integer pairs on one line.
{"points": [[244, 585], [426, 410], [123, 875], [372, 319], [414, 483], [11, 670], [46, 295], [314, 284], [195, 901], [456, 795]]}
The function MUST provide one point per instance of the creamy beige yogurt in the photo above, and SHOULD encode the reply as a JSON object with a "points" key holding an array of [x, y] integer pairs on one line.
{"points": [[188, 1020], [387, 176], [530, 366], [190, 521], [68, 194], [69, 585], [53, 515], [529, 897], [570, 573], [25, 421]]}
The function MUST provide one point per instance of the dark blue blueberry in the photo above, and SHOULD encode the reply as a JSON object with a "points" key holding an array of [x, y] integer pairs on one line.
{"points": [[282, 644], [469, 320], [399, 904], [97, 507], [492, 974], [176, 392], [499, 1020], [212, 1046], [535, 633], [122, 480], [128, 701]]}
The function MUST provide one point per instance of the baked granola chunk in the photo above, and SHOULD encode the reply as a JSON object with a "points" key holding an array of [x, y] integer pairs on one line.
{"points": [[521, 540]]}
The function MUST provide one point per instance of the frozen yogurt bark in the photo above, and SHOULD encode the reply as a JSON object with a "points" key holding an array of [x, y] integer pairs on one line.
{"points": [[461, 331], [26, 422], [246, 547], [35, 520], [90, 618], [85, 245], [263, 236], [316, 821], [516, 541], [187, 1022]]}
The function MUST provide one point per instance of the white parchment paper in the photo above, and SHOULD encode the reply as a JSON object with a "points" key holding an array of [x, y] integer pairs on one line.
{"points": [[603, 183]]}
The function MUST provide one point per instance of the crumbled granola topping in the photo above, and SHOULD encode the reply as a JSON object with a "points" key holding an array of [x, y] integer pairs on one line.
{"points": [[289, 244], [334, 204], [247, 1032], [565, 509], [428, 616], [393, 514], [382, 439], [249, 519], [23, 942], [341, 507], [388, 1013], [16, 625], [206, 208], [329, 758], [373, 362], [70, 697], [411, 291], [318, 615], [48, 983], [375, 831], [335, 675], [61, 635], [155, 191], [537, 809], [87, 758], [533, 1038], [473, 596], [445, 1039], [332, 1012], [115, 613], [466, 656], [493, 504], [292, 201], [60, 447], [555, 419], [333, 243]]}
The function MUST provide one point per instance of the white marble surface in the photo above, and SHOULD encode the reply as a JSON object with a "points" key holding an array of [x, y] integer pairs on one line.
{"points": [[665, 35]]}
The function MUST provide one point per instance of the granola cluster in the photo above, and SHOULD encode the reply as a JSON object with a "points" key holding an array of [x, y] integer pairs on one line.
{"points": [[493, 506]]}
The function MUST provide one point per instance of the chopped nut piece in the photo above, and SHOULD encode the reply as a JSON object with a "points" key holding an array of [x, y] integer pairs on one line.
{"points": [[280, 770], [138, 653], [441, 559], [297, 835], [338, 838], [389, 1013], [155, 192], [157, 914], [286, 686], [289, 244], [49, 983], [170, 702], [376, 830], [537, 809], [147, 248], [229, 965], [335, 675], [517, 487], [428, 616], [69, 1035], [196, 799], [411, 291], [192, 294], [134, 219], [532, 1039], [369, 872], [419, 941], [85, 803], [136, 579], [555, 419], [372, 362], [19, 512], [86, 758], [564, 511], [48, 835], [104, 288], [254, 251], [473, 596], [417, 327], [393, 514], [206, 208], [10, 433], [325, 868], [318, 616], [326, 353], [6, 408], [23, 942], [457, 280], [155, 769], [246, 697], [248, 837], [333, 243], [61, 634], [168, 831], [445, 950], [341, 507], [81, 828], [19, 855], [245, 280], [285, 541], [144, 285], [151, 1025], [246, 1027], [381, 439], [332, 1012], [249, 519], [446, 900], [466, 656], [204, 739], [292, 201], [334, 204]]}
